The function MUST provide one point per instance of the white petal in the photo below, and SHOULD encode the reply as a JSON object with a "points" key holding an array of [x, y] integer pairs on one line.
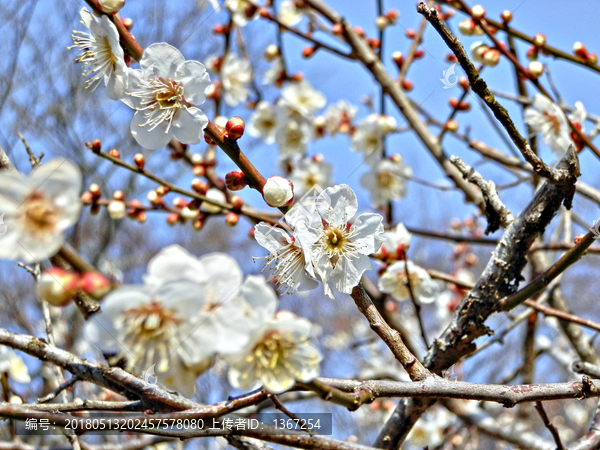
{"points": [[164, 57], [150, 139], [189, 124], [195, 80]]}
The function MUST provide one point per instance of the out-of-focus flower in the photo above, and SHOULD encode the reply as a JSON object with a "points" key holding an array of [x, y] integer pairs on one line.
{"points": [[188, 310], [278, 355], [386, 180], [343, 242], [101, 55], [243, 11], [216, 195], [546, 117], [57, 286], [339, 116], [38, 209], [201, 4], [292, 137], [309, 172], [236, 74], [303, 97], [395, 281], [370, 133], [263, 122], [289, 14], [429, 430], [163, 93], [13, 365], [395, 243], [273, 75]]}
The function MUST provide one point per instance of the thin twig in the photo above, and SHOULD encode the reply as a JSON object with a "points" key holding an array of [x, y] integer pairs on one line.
{"points": [[553, 431]]}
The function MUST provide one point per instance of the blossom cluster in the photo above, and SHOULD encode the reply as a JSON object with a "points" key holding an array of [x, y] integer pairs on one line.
{"points": [[190, 310]]}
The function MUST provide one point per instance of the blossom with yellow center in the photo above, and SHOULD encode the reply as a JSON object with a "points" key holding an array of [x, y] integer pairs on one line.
{"points": [[278, 355], [37, 210], [101, 55], [164, 93], [546, 117], [395, 281], [386, 180]]}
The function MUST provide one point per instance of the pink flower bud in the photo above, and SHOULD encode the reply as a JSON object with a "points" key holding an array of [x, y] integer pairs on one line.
{"points": [[506, 16], [466, 27], [278, 192], [539, 40], [235, 128], [95, 285], [491, 57], [111, 6], [139, 161], [236, 180], [580, 50], [231, 219], [57, 286]]}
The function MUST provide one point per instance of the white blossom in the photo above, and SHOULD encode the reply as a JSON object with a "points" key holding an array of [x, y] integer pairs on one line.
{"points": [[394, 281], [201, 4], [101, 54], [263, 122], [164, 93], [243, 11], [309, 172], [292, 137], [278, 192], [188, 310], [343, 242], [303, 97], [546, 117], [38, 209], [370, 133], [278, 355], [236, 74], [289, 14], [395, 242], [13, 365], [338, 114], [386, 180]]}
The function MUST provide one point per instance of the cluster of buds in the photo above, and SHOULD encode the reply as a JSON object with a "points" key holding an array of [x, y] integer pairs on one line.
{"points": [[539, 41], [458, 105], [58, 286], [485, 55], [580, 51], [391, 18]]}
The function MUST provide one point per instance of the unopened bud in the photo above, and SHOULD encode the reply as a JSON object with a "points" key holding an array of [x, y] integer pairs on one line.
{"points": [[215, 195], [57, 286], [374, 43], [198, 224], [579, 238], [580, 50], [95, 190], [491, 58], [96, 146], [139, 161], [116, 209], [127, 23], [392, 16], [307, 52], [271, 52], [278, 192], [478, 12], [592, 59], [419, 53], [87, 198], [463, 82], [382, 23], [451, 57], [453, 102], [231, 219], [236, 180], [188, 213], [410, 33], [535, 69], [15, 400], [407, 85], [114, 153], [397, 58], [539, 40], [172, 218], [451, 125], [179, 202], [466, 27], [464, 106], [359, 31], [110, 6], [200, 186], [532, 53], [235, 128], [337, 29], [155, 199], [237, 202], [199, 170], [506, 16], [95, 285], [141, 217]]}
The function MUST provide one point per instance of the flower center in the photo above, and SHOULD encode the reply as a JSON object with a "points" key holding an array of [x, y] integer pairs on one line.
{"points": [[338, 242], [554, 123], [386, 180], [161, 99], [289, 268], [272, 351], [40, 214], [150, 330]]}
